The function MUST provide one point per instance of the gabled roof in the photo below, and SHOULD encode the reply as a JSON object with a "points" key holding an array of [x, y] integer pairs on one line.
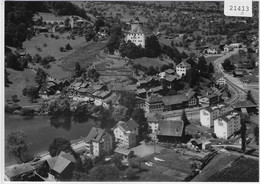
{"points": [[184, 64], [137, 30], [171, 78], [95, 134], [171, 128], [18, 169], [227, 116], [61, 162], [169, 71], [128, 125], [154, 117], [244, 104], [154, 98], [123, 151], [177, 99]]}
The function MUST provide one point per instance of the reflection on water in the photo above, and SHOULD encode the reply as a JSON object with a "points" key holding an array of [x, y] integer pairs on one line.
{"points": [[41, 130]]}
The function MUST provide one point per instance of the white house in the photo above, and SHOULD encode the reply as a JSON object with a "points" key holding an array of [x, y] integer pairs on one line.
{"points": [[126, 133], [182, 68], [221, 81], [136, 34], [98, 141], [227, 124], [208, 114], [153, 122]]}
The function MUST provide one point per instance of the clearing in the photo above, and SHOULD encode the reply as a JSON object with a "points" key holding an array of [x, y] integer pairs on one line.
{"points": [[243, 170], [211, 59], [155, 62], [20, 80], [216, 164], [175, 168]]}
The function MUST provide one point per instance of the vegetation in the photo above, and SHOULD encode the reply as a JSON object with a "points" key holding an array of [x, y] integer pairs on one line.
{"points": [[184, 118], [60, 107], [31, 92], [81, 112], [104, 173], [40, 77], [17, 145], [249, 97], [59, 144]]}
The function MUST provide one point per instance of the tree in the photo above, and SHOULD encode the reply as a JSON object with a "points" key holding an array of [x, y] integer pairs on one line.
{"points": [[81, 112], [37, 58], [40, 77], [139, 116], [31, 92], [192, 77], [202, 64], [152, 47], [17, 144], [249, 96], [59, 144], [120, 113], [184, 118], [130, 174], [12, 61], [60, 107], [211, 68], [256, 133], [227, 65], [78, 70], [243, 135], [104, 173], [127, 99], [116, 159], [68, 47]]}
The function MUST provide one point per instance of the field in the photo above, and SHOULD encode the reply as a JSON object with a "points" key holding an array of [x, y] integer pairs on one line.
{"points": [[176, 167], [147, 62], [219, 162], [19, 79], [243, 170], [211, 59], [85, 55]]}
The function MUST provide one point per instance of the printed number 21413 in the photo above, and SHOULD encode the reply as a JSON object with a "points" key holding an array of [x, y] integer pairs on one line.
{"points": [[238, 8]]}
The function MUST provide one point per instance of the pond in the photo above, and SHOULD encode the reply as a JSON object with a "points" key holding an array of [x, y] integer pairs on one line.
{"points": [[40, 132]]}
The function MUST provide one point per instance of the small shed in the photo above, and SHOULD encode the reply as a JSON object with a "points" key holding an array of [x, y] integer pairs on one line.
{"points": [[206, 145]]}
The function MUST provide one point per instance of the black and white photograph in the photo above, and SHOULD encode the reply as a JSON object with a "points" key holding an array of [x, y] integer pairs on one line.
{"points": [[130, 91]]}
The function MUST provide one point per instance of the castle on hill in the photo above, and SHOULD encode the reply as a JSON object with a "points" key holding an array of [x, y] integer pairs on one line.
{"points": [[136, 34]]}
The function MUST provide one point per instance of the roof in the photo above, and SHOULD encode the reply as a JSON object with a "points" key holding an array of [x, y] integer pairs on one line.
{"points": [[97, 87], [83, 90], [137, 30], [141, 90], [184, 64], [175, 99], [61, 162], [227, 116], [171, 128], [169, 71], [18, 169], [123, 151], [171, 78], [218, 106], [95, 134], [154, 117], [154, 98], [156, 89], [128, 125]]}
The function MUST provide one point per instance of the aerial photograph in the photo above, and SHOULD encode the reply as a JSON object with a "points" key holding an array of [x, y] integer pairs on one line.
{"points": [[130, 91]]}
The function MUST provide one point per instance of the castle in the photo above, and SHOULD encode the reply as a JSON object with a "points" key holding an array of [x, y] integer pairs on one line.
{"points": [[136, 34]]}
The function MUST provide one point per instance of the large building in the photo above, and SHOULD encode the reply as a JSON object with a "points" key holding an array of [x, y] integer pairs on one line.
{"points": [[182, 68], [136, 34], [227, 124], [126, 133], [208, 114], [99, 141]]}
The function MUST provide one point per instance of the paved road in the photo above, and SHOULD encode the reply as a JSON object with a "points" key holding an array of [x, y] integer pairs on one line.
{"points": [[234, 83]]}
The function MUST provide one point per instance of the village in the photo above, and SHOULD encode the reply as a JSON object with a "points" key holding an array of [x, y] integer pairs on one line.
{"points": [[163, 115]]}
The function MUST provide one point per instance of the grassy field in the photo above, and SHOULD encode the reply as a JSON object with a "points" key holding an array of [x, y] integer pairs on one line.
{"points": [[243, 170], [211, 59], [85, 55], [147, 62], [20, 80], [166, 171], [219, 162]]}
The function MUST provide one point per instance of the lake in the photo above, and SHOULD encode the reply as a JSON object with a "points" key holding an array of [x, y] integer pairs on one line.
{"points": [[40, 132]]}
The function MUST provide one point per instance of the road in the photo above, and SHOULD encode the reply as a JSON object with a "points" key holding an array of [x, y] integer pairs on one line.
{"points": [[234, 83]]}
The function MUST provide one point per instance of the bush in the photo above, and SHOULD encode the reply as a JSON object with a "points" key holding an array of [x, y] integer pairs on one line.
{"points": [[68, 47], [52, 36], [62, 49], [57, 37], [27, 112], [12, 108]]}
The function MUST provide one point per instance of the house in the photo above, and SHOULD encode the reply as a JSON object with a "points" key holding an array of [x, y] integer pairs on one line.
{"points": [[235, 45], [61, 166], [171, 131], [182, 68], [212, 50], [154, 104], [237, 73], [180, 101], [17, 171], [208, 114], [126, 133], [125, 153], [228, 48], [227, 124], [166, 72], [98, 141], [136, 34], [48, 88], [221, 81], [153, 122], [212, 99]]}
